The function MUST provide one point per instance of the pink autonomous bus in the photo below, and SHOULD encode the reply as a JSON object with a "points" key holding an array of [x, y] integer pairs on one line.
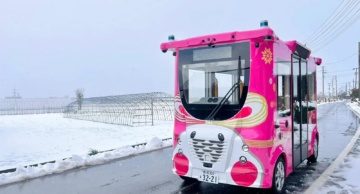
{"points": [[245, 108]]}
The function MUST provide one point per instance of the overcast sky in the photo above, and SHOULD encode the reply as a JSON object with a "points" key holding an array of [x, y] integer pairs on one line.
{"points": [[109, 47]]}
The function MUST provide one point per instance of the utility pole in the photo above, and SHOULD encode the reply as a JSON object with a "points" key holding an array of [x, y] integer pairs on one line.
{"points": [[353, 83], [356, 75], [359, 67], [323, 78], [332, 87], [336, 94], [346, 88]]}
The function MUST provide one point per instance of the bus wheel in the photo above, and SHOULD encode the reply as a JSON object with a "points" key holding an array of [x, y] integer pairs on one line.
{"points": [[278, 182], [313, 158], [188, 179]]}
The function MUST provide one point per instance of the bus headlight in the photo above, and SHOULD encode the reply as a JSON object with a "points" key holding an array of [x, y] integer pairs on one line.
{"points": [[245, 148]]}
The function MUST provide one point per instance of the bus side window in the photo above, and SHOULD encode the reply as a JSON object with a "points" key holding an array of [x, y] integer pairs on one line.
{"points": [[280, 91], [283, 91], [311, 78], [283, 72]]}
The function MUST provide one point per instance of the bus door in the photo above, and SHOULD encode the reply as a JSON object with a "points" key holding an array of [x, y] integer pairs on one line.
{"points": [[299, 106]]}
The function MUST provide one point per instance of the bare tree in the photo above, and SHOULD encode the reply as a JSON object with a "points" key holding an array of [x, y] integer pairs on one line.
{"points": [[79, 93]]}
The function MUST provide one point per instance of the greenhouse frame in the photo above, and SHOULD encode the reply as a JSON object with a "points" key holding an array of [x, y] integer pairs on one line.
{"points": [[131, 110]]}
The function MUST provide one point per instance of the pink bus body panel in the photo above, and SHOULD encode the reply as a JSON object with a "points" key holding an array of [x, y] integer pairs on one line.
{"points": [[253, 125]]}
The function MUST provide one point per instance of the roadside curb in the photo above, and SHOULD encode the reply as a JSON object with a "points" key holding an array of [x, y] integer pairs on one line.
{"points": [[103, 151], [329, 171]]}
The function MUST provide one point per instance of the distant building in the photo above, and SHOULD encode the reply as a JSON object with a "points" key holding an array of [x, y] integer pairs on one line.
{"points": [[15, 95]]}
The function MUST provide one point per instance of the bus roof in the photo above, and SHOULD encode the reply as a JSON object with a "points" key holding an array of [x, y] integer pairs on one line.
{"points": [[262, 33], [217, 38]]}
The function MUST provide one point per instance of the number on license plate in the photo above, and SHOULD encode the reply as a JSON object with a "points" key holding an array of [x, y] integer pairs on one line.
{"points": [[209, 177]]}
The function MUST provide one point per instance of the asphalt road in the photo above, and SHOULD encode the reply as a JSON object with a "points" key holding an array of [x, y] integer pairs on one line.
{"points": [[151, 172]]}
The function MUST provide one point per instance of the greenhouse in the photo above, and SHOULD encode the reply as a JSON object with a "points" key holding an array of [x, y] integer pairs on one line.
{"points": [[132, 109]]}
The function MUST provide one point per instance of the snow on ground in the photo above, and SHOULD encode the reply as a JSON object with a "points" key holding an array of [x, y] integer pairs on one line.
{"points": [[29, 139], [323, 103], [355, 106], [345, 179]]}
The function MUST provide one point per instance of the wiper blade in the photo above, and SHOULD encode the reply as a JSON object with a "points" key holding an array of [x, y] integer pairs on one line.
{"points": [[222, 102], [228, 94]]}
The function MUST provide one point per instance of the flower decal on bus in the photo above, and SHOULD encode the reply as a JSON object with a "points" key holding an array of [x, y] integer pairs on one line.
{"points": [[266, 55]]}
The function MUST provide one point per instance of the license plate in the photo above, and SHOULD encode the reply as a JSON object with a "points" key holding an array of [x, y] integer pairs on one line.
{"points": [[209, 177]]}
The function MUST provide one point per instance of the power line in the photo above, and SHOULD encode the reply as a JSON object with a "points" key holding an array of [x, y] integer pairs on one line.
{"points": [[341, 73], [326, 23], [343, 59], [340, 20], [334, 22], [346, 25], [338, 29], [341, 70]]}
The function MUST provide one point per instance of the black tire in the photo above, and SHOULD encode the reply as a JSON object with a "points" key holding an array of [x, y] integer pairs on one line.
{"points": [[188, 179], [313, 158], [279, 177]]}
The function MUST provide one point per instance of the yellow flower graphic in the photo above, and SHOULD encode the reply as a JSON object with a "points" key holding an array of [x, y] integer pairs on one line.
{"points": [[266, 56]]}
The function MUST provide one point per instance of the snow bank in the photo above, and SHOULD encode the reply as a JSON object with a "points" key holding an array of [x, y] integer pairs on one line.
{"points": [[77, 161], [355, 107], [154, 143], [323, 103]]}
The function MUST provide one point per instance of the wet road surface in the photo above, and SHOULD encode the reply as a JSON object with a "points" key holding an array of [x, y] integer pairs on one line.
{"points": [[336, 124], [151, 172]]}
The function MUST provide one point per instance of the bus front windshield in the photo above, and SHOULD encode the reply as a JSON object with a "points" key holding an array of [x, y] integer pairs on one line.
{"points": [[208, 83], [207, 76]]}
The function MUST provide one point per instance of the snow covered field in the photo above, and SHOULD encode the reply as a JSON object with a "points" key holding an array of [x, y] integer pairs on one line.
{"points": [[29, 139]]}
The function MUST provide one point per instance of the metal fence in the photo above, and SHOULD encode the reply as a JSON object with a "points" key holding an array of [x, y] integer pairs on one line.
{"points": [[22, 106], [131, 109]]}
